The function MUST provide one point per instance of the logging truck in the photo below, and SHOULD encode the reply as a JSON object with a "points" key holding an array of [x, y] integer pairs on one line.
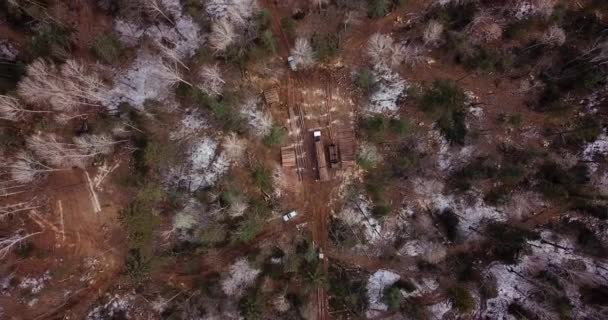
{"points": [[320, 152]]}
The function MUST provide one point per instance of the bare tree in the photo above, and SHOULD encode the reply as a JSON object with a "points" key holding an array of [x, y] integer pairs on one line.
{"points": [[234, 147], [554, 36], [63, 89], [484, 29], [157, 9], [234, 12], [95, 144], [12, 110], [64, 155], [211, 80], [433, 33], [599, 52], [8, 243], [408, 54], [222, 35], [302, 53], [25, 169], [380, 47], [17, 208], [170, 71]]}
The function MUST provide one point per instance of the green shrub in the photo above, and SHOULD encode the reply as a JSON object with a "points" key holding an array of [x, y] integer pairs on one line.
{"points": [[251, 305], [445, 100], [140, 221], [268, 41], [275, 137], [51, 41], [399, 127], [380, 211], [456, 16], [461, 299], [392, 298], [11, 75], [514, 120], [248, 229], [262, 177], [212, 234], [289, 26], [378, 8], [107, 48], [264, 19], [325, 46], [449, 221], [507, 242], [365, 80], [375, 128]]}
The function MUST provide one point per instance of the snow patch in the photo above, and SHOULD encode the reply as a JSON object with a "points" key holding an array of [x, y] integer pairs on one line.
{"points": [[8, 51], [259, 122], [35, 285], [376, 285], [116, 307], [242, 275], [594, 149], [390, 87]]}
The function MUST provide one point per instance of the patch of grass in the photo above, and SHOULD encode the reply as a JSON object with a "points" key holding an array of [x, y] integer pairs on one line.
{"points": [[275, 137], [107, 48]]}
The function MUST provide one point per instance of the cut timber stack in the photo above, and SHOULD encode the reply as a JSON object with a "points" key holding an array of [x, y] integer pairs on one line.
{"points": [[346, 145], [288, 157], [272, 96]]}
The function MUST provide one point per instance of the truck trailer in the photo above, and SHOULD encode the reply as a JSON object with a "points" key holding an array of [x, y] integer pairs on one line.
{"points": [[320, 152]]}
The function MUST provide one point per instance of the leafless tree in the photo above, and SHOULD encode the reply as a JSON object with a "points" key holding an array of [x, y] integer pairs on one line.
{"points": [[63, 89], [222, 35], [234, 147], [433, 33], [11, 109], [302, 53], [408, 54], [484, 28], [211, 80], [95, 144], [554, 36], [234, 12], [170, 71], [25, 169], [599, 52], [8, 243], [64, 155], [17, 208], [380, 47], [171, 54], [157, 9]]}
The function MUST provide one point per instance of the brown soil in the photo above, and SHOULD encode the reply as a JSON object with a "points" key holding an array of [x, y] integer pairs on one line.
{"points": [[80, 248]]}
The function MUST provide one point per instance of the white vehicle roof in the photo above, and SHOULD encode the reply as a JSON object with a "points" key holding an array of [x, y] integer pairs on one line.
{"points": [[317, 133]]}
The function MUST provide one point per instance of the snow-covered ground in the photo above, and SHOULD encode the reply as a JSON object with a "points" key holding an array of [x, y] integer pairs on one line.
{"points": [[390, 87], [470, 208], [514, 283], [376, 285], [597, 148]]}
